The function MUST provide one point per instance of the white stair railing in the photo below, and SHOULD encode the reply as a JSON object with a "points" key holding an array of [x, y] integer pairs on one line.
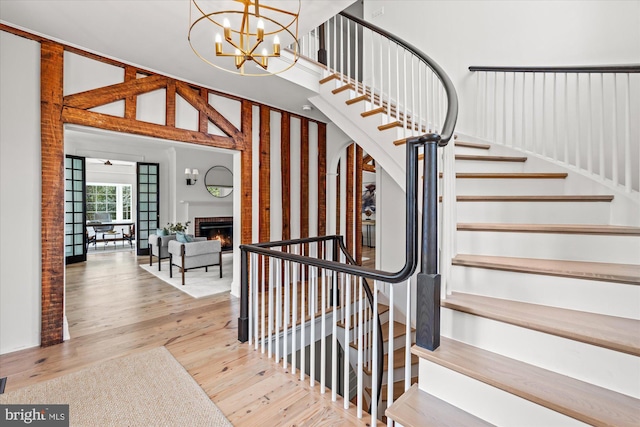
{"points": [[582, 117]]}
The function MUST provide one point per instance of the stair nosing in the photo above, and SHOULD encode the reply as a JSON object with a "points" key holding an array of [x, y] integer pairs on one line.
{"points": [[559, 268], [590, 229], [438, 412], [519, 159], [511, 175], [477, 145], [591, 328], [536, 198], [530, 382]]}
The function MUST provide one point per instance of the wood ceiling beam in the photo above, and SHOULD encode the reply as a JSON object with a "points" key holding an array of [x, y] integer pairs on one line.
{"points": [[121, 124], [108, 94], [368, 168]]}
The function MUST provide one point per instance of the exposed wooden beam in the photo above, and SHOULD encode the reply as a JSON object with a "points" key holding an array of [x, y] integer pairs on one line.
{"points": [[367, 159], [369, 168], [357, 213], [304, 178], [246, 180], [52, 214], [322, 179], [130, 102], [285, 155], [201, 104], [203, 120], [264, 195], [170, 110], [349, 205], [108, 94], [121, 124]]}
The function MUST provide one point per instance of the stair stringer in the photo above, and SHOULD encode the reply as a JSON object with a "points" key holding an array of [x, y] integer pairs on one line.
{"points": [[374, 142]]}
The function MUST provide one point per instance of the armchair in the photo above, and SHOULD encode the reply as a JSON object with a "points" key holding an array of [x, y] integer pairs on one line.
{"points": [[158, 247], [198, 254]]}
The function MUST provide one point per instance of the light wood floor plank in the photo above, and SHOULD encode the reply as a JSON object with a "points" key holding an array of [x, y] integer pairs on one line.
{"points": [[115, 308]]}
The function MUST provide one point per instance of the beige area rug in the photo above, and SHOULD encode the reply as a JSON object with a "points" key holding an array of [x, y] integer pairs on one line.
{"points": [[145, 389], [197, 283]]}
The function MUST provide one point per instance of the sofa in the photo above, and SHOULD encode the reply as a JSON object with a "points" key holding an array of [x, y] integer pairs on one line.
{"points": [[196, 254]]}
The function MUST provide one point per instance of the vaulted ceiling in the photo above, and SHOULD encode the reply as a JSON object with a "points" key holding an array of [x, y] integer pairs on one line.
{"points": [[153, 35]]}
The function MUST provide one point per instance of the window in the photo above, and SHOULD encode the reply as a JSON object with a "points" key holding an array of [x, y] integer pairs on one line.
{"points": [[113, 199]]}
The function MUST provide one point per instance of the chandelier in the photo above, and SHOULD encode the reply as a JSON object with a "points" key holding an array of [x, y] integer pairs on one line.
{"points": [[245, 38]]}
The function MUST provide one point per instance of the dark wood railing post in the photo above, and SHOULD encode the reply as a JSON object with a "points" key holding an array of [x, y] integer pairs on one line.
{"points": [[243, 320], [428, 287], [322, 49]]}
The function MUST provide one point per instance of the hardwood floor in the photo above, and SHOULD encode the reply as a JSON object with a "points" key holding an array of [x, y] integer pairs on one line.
{"points": [[115, 308]]}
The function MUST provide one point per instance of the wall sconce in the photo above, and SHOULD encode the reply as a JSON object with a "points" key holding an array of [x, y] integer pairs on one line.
{"points": [[192, 177]]}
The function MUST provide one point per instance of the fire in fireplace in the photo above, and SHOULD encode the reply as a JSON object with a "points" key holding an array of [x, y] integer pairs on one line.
{"points": [[217, 229]]}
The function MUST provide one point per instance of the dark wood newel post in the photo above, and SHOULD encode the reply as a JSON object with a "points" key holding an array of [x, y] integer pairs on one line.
{"points": [[322, 49], [52, 215], [428, 286]]}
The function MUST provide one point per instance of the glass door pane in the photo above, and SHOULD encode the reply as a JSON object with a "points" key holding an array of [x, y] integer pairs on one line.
{"points": [[74, 210], [148, 204]]}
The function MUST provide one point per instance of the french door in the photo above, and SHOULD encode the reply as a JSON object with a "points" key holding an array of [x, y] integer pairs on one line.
{"points": [[74, 210], [148, 203]]}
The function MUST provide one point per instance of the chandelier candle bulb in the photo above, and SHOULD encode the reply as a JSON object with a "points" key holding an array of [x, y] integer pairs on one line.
{"points": [[218, 44], [260, 27], [264, 58], [276, 46], [227, 29]]}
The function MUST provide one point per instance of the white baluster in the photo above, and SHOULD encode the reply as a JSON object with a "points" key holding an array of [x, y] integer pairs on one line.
{"points": [[601, 170], [294, 317], [264, 308], [554, 117], [523, 141], [360, 346], [407, 340], [589, 126], [303, 320], [567, 122], [287, 314], [390, 348], [504, 108], [513, 111], [374, 368], [614, 133], [543, 129], [534, 140], [278, 307], [270, 312], [313, 298], [335, 42], [627, 136], [479, 111], [495, 107], [250, 291], [577, 122], [256, 311], [347, 325], [334, 340], [323, 339]]}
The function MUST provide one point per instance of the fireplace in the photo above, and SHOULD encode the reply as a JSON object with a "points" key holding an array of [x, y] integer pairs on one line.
{"points": [[216, 228]]}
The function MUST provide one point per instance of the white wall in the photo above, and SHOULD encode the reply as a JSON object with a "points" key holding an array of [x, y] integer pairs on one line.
{"points": [[20, 184], [458, 34]]}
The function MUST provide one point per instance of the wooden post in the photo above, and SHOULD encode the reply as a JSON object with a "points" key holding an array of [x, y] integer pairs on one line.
{"points": [[52, 151]]}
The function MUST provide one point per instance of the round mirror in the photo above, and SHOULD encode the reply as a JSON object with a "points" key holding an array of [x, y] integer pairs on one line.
{"points": [[219, 181]]}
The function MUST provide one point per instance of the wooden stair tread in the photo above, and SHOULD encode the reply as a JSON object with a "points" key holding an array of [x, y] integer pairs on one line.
{"points": [[509, 175], [398, 361], [342, 88], [373, 112], [418, 408], [615, 333], [472, 145], [534, 198], [610, 230], [357, 99], [390, 125], [608, 272], [334, 76], [491, 158], [574, 398]]}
